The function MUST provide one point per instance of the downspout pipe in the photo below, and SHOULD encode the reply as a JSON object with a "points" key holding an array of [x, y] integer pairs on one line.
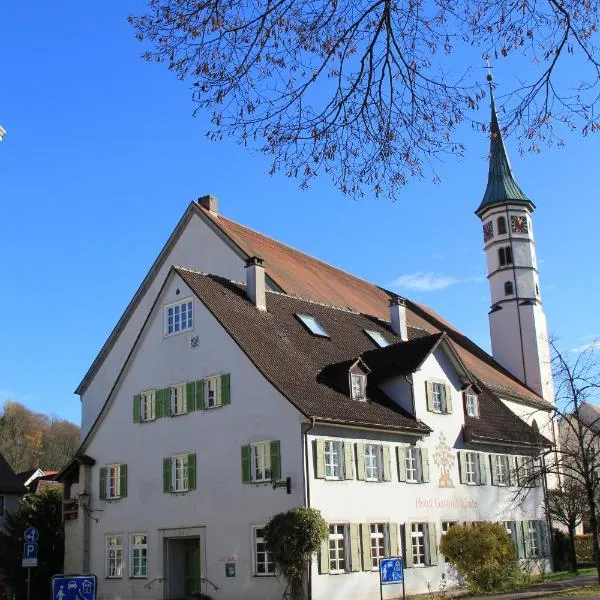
{"points": [[307, 493]]}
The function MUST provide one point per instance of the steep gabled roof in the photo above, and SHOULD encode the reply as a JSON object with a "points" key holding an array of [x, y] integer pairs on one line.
{"points": [[9, 482]]}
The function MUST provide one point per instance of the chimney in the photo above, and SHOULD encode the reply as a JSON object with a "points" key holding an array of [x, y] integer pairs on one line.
{"points": [[398, 318], [209, 203], [255, 282]]}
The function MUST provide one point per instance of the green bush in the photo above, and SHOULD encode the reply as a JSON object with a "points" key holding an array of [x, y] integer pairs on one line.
{"points": [[560, 550], [584, 548], [483, 554]]}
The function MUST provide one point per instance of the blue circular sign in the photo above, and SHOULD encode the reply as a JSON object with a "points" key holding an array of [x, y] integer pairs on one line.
{"points": [[32, 535]]}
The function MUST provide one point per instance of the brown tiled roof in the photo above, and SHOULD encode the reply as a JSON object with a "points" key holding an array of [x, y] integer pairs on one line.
{"points": [[291, 358], [301, 275], [9, 482]]}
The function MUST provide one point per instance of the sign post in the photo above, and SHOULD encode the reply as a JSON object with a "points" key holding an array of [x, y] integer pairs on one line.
{"points": [[30, 550], [74, 587], [391, 571]]}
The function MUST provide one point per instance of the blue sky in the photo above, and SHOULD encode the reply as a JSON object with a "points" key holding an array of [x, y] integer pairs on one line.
{"points": [[102, 156]]}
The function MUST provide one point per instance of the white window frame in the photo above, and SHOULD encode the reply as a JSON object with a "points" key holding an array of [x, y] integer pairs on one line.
{"points": [[268, 562], [471, 475], [180, 465], [438, 396], [447, 525], [379, 543], [340, 532], [471, 403], [358, 386], [532, 540], [172, 326], [113, 474], [212, 382], [376, 465], [502, 466], [178, 397], [148, 405], [411, 458], [113, 553], [333, 449], [418, 531], [261, 461], [142, 548]]}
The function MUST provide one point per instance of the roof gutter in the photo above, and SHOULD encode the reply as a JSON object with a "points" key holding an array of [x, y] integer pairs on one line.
{"points": [[379, 427]]}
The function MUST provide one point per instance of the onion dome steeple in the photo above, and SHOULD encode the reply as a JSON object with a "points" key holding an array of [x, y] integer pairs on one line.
{"points": [[501, 187]]}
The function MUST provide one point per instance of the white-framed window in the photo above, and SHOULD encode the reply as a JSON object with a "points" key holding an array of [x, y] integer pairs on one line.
{"points": [[411, 457], [337, 548], [138, 555], [377, 338], [179, 316], [261, 461], [438, 391], [471, 463], [532, 543], [211, 392], [472, 405], [358, 386], [178, 399], [313, 325], [113, 481], [378, 543], [263, 560], [502, 470], [114, 555], [372, 462], [147, 406], [418, 543], [180, 473], [446, 525], [333, 460]]}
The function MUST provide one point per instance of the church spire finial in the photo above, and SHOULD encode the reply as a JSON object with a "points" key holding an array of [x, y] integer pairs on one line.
{"points": [[501, 186]]}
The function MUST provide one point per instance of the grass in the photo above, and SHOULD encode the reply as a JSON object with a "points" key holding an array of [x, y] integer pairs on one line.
{"points": [[592, 590], [558, 575]]}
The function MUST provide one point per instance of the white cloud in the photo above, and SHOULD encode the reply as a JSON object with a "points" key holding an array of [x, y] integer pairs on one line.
{"points": [[586, 347], [430, 282]]}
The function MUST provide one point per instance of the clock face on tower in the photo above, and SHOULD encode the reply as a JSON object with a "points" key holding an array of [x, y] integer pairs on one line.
{"points": [[519, 224], [488, 231]]}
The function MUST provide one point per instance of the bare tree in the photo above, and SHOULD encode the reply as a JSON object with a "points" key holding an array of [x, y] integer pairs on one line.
{"points": [[372, 91]]}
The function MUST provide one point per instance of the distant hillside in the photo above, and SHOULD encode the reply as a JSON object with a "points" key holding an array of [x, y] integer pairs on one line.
{"points": [[29, 439]]}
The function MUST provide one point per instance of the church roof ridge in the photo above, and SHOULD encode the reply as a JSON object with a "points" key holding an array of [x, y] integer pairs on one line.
{"points": [[501, 186]]}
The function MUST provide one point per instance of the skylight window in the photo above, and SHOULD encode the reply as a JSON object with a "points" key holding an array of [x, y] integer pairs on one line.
{"points": [[312, 325], [377, 338]]}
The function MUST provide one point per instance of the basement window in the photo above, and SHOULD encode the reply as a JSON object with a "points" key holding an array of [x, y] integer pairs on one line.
{"points": [[377, 338], [312, 325]]}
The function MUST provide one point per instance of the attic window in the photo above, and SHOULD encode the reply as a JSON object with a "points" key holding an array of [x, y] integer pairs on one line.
{"points": [[377, 338], [312, 325], [357, 386]]}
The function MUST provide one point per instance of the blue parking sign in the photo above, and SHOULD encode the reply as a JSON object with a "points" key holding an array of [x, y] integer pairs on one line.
{"points": [[74, 587], [390, 570]]}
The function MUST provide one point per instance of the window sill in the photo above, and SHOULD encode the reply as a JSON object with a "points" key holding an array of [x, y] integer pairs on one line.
{"points": [[140, 577], [113, 577], [213, 407], [176, 333], [264, 576], [337, 573]]}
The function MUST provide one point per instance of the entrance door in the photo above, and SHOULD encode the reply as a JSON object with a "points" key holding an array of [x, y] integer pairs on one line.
{"points": [[191, 566]]}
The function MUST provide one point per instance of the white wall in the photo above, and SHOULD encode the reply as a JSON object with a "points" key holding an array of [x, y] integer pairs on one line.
{"points": [[221, 505]]}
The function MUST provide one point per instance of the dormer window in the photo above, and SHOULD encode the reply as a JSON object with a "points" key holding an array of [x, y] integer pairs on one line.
{"points": [[358, 386], [312, 325], [472, 405], [377, 338]]}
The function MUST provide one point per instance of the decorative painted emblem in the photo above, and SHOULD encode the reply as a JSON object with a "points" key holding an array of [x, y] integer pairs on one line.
{"points": [[519, 224], [444, 460], [488, 230]]}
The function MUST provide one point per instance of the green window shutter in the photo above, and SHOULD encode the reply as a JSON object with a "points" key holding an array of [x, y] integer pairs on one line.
{"points": [[348, 461], [393, 537], [433, 550], [225, 387], [191, 471], [102, 484], [360, 461], [448, 399], [158, 404], [482, 470], [520, 539], [510, 474], [387, 464], [320, 459], [425, 465], [324, 557], [401, 457], [167, 485], [543, 537], [200, 394], [166, 402], [462, 461], [493, 468], [275, 449], [408, 559], [519, 469], [366, 546], [246, 464], [354, 535], [429, 392], [190, 396], [137, 402], [537, 469], [123, 481]]}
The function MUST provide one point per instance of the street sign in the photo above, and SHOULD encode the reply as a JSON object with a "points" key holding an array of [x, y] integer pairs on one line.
{"points": [[74, 587], [32, 535], [30, 550], [390, 570]]}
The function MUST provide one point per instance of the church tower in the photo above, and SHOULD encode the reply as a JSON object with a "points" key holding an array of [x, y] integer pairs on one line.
{"points": [[518, 327]]}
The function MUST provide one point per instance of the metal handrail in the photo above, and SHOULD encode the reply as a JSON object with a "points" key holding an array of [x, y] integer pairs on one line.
{"points": [[204, 579], [157, 579]]}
